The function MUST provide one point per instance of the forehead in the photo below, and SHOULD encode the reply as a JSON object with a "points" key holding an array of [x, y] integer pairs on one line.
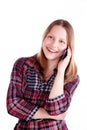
{"points": [[57, 29]]}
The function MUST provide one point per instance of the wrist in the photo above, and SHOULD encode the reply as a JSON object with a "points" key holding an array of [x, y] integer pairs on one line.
{"points": [[61, 72]]}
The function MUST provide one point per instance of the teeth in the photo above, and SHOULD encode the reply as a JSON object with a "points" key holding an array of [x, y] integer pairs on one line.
{"points": [[52, 50]]}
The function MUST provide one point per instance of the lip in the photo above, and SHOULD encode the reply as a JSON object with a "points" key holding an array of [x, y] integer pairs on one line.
{"points": [[52, 50]]}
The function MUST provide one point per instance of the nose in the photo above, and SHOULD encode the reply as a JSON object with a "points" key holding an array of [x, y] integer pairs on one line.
{"points": [[55, 44]]}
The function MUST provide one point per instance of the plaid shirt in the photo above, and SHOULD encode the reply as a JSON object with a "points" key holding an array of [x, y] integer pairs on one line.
{"points": [[27, 93]]}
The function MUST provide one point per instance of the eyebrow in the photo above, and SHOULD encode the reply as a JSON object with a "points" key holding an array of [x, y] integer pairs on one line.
{"points": [[63, 39], [60, 38]]}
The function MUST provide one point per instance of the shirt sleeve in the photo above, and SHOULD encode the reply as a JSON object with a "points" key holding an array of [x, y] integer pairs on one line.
{"points": [[16, 105], [61, 103]]}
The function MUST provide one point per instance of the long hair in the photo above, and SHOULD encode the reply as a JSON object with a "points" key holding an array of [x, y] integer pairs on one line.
{"points": [[71, 70]]}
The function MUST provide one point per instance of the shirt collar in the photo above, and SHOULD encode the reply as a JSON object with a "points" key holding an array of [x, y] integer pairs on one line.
{"points": [[32, 61]]}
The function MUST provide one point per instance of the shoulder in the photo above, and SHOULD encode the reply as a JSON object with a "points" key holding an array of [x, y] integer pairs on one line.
{"points": [[25, 61], [71, 85], [76, 80]]}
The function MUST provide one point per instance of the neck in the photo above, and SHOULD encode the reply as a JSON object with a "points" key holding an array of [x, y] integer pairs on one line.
{"points": [[48, 71], [50, 65], [47, 67]]}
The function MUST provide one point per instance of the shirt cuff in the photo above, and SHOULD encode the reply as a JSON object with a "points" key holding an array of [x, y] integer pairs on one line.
{"points": [[32, 113], [55, 99]]}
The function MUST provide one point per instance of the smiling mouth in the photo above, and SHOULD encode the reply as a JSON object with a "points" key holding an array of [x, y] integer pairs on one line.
{"points": [[52, 50]]}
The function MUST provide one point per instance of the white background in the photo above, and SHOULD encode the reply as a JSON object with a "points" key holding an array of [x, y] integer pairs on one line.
{"points": [[22, 23]]}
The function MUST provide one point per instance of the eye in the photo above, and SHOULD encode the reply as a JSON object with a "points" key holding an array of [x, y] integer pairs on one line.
{"points": [[62, 41], [50, 36]]}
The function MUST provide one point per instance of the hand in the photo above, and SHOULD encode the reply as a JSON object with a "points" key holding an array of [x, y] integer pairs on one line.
{"points": [[42, 114], [61, 116], [62, 65]]}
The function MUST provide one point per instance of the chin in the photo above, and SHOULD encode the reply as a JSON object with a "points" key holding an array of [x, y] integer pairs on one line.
{"points": [[52, 58]]}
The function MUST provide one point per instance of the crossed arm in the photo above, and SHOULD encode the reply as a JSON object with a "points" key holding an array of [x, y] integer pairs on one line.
{"points": [[42, 114], [54, 108], [56, 91]]}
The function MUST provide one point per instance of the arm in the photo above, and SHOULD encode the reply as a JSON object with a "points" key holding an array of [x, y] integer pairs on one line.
{"points": [[60, 104], [58, 86], [16, 105], [60, 95], [42, 114]]}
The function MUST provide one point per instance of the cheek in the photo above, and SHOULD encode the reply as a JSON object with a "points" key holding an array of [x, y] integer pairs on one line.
{"points": [[61, 51], [63, 48], [46, 42]]}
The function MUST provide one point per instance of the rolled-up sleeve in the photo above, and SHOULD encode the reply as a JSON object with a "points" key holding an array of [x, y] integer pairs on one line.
{"points": [[61, 103], [16, 105]]}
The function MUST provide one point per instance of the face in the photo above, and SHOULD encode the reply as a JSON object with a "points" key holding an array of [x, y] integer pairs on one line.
{"points": [[55, 43]]}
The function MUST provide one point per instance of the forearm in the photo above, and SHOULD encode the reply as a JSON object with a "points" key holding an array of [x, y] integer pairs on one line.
{"points": [[56, 103], [57, 88], [42, 114]]}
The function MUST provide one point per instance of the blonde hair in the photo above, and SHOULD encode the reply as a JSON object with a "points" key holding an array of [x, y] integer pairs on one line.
{"points": [[71, 70]]}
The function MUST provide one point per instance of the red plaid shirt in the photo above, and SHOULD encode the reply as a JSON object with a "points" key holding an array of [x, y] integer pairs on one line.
{"points": [[27, 93]]}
